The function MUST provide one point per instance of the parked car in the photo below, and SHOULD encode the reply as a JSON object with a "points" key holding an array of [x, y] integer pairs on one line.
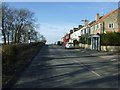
{"points": [[69, 45]]}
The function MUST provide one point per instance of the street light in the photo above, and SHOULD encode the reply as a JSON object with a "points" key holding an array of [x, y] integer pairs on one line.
{"points": [[29, 39]]}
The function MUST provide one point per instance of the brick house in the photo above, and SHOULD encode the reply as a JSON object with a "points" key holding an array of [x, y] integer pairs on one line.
{"points": [[66, 39]]}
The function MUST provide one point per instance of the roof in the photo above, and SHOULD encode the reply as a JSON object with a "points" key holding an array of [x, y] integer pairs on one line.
{"points": [[90, 23], [106, 16]]}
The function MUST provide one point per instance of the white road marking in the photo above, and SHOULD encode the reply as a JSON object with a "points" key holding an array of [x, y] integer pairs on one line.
{"points": [[113, 60], [96, 73], [90, 70]]}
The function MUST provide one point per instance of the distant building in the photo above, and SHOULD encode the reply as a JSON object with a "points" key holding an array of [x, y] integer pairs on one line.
{"points": [[66, 38], [76, 34]]}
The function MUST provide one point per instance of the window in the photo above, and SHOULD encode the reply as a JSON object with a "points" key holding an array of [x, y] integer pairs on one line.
{"points": [[100, 24], [85, 31], [97, 26], [93, 28], [111, 25]]}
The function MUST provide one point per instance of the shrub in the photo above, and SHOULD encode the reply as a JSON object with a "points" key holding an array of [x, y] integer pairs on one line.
{"points": [[112, 38], [9, 54], [14, 56], [89, 41], [75, 42], [82, 40]]}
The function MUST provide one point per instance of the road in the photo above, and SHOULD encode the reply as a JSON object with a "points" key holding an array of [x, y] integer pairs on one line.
{"points": [[57, 67]]}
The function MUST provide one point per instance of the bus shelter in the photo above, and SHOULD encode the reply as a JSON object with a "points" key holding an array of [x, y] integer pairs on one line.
{"points": [[95, 42]]}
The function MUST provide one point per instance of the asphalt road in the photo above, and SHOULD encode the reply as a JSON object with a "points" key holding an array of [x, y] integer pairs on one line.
{"points": [[57, 67]]}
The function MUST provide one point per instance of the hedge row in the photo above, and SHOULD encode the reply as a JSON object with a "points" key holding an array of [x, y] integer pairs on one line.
{"points": [[75, 42], [10, 53], [82, 40], [14, 56], [112, 39]]}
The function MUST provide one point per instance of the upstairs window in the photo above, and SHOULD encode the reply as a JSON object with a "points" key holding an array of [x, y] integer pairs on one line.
{"points": [[93, 28], [111, 25], [97, 26]]}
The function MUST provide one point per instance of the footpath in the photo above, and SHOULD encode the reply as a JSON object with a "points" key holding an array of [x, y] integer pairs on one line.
{"points": [[112, 56]]}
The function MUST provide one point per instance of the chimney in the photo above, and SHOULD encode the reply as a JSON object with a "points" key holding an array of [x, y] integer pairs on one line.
{"points": [[97, 17], [75, 29], [80, 26], [71, 31], [86, 22]]}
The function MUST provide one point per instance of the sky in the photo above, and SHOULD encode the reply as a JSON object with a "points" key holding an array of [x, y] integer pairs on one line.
{"points": [[55, 19]]}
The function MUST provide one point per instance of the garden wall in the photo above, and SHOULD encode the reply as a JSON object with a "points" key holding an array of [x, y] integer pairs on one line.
{"points": [[110, 48], [103, 48], [86, 46], [82, 45]]}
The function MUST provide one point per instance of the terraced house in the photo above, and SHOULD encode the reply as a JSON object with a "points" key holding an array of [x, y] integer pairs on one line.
{"points": [[107, 23], [91, 30]]}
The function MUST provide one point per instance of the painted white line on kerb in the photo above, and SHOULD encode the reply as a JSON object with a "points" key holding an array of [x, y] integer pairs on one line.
{"points": [[96, 73]]}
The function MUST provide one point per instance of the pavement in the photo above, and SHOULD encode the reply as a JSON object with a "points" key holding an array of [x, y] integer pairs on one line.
{"points": [[114, 56], [57, 67]]}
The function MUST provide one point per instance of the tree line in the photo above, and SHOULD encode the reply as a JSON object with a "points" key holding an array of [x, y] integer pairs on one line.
{"points": [[18, 25]]}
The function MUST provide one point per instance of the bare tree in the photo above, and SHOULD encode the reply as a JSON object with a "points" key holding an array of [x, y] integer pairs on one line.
{"points": [[7, 22], [5, 9], [18, 25]]}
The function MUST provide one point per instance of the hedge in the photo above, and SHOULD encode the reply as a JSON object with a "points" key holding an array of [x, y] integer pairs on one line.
{"points": [[16, 55], [10, 53], [82, 40], [112, 39], [75, 42]]}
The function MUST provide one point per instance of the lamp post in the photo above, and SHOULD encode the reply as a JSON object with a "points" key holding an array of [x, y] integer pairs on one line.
{"points": [[29, 38]]}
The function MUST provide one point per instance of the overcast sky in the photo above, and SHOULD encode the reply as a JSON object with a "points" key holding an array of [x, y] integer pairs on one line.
{"points": [[57, 18]]}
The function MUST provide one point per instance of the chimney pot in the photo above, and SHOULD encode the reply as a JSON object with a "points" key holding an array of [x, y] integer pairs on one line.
{"points": [[86, 22], [97, 17]]}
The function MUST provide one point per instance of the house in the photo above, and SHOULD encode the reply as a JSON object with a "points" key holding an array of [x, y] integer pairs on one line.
{"points": [[76, 34], [103, 24], [91, 30], [107, 23], [66, 39]]}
